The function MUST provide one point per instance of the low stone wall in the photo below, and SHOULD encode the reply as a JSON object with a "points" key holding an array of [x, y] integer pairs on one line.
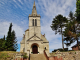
{"points": [[73, 55], [52, 57], [16, 56], [55, 58], [46, 55], [21, 59]]}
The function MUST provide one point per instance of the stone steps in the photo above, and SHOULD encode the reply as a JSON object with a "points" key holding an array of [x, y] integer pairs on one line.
{"points": [[37, 57]]}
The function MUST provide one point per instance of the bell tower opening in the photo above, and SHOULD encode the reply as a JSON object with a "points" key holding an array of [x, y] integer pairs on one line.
{"points": [[35, 22]]}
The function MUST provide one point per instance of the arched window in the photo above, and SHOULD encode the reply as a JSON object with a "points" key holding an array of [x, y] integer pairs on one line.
{"points": [[35, 22]]}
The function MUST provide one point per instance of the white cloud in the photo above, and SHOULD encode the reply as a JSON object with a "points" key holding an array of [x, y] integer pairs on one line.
{"points": [[51, 8], [17, 4], [19, 31], [5, 26], [57, 44], [20, 1]]}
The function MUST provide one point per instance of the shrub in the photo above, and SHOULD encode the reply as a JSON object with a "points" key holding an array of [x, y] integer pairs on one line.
{"points": [[54, 50], [75, 52], [4, 55], [31, 52], [60, 49], [24, 56], [65, 49]]}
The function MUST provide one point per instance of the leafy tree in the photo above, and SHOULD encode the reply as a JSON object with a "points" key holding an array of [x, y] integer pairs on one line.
{"points": [[78, 10], [11, 43], [67, 32], [72, 31], [57, 24], [2, 43], [14, 41], [71, 16], [69, 38], [8, 38]]}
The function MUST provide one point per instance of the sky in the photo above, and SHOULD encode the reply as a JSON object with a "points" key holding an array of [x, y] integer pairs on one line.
{"points": [[17, 12]]}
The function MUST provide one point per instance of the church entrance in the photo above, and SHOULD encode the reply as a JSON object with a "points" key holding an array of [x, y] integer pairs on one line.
{"points": [[35, 48]]}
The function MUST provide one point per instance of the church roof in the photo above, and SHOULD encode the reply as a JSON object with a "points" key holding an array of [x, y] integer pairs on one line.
{"points": [[40, 39], [27, 30], [75, 45], [43, 38], [23, 41]]}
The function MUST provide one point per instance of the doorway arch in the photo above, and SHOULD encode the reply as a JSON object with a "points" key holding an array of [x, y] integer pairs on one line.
{"points": [[35, 48]]}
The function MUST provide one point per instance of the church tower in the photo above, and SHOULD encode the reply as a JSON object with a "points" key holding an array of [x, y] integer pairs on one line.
{"points": [[33, 41], [34, 23]]}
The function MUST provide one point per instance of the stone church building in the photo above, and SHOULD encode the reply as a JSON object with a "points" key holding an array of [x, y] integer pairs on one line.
{"points": [[33, 41]]}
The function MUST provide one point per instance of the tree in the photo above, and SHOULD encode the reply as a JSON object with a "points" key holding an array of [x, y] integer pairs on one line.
{"points": [[71, 16], [10, 43], [68, 34], [57, 24], [8, 38], [72, 31], [78, 10], [14, 41], [11, 40], [2, 44]]}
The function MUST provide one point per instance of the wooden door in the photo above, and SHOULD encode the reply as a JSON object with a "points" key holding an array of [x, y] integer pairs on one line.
{"points": [[35, 49]]}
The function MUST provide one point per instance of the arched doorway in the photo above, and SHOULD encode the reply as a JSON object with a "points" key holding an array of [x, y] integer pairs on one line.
{"points": [[35, 48]]}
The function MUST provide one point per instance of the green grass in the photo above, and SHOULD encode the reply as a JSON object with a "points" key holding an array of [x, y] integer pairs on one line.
{"points": [[6, 54]]}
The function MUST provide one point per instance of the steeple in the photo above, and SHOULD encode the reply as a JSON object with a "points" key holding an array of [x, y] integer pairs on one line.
{"points": [[34, 12], [34, 3]]}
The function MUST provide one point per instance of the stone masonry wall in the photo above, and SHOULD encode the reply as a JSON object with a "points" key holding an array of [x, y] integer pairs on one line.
{"points": [[73, 55], [55, 58]]}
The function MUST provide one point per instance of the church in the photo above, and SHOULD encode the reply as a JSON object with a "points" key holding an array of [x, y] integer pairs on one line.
{"points": [[33, 41]]}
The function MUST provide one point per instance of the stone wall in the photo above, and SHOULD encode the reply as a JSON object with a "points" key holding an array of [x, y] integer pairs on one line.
{"points": [[52, 57], [21, 59], [55, 58], [16, 56], [73, 55]]}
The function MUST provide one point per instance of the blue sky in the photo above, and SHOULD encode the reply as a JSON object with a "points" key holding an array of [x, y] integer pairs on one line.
{"points": [[17, 12]]}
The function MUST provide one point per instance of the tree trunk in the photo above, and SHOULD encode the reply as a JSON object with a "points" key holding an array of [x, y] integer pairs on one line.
{"points": [[62, 39], [62, 42], [78, 44]]}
